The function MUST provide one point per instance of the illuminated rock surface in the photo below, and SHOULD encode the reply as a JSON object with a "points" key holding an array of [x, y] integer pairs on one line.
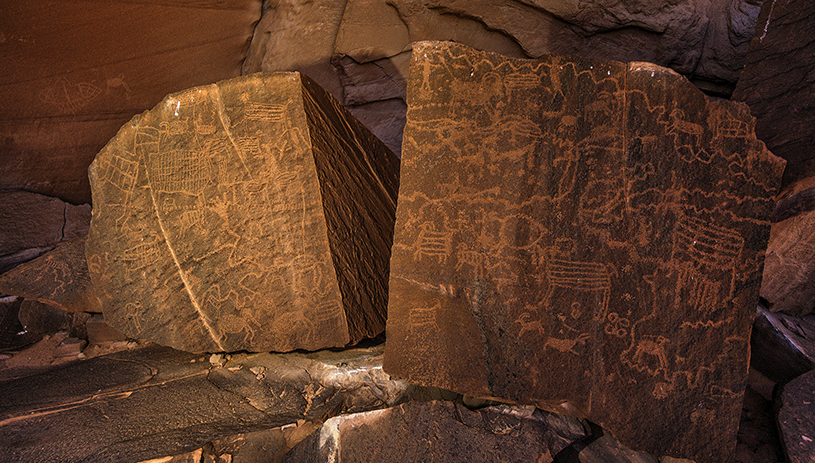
{"points": [[155, 401], [583, 231], [253, 214]]}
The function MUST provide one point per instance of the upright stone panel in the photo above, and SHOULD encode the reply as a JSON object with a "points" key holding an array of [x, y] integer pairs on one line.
{"points": [[243, 216], [582, 235]]}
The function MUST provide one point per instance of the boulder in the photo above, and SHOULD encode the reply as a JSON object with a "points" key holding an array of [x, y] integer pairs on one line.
{"points": [[777, 81], [450, 432], [796, 419], [782, 346], [154, 401], [788, 284], [34, 224], [39, 318], [253, 214], [76, 78], [59, 278], [581, 231]]}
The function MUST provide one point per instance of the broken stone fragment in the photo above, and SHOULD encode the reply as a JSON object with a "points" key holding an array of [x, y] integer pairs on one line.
{"points": [[782, 346], [788, 283], [58, 278], [796, 419], [253, 214], [580, 231], [155, 402]]}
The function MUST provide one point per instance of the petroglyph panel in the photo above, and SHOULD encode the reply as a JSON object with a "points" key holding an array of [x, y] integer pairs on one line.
{"points": [[212, 230], [582, 231]]}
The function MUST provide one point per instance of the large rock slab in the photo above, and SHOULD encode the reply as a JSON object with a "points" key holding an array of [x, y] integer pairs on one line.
{"points": [[76, 78], [584, 231], [155, 401], [777, 81], [796, 419], [34, 224], [450, 432], [253, 214], [782, 346], [788, 283], [59, 278]]}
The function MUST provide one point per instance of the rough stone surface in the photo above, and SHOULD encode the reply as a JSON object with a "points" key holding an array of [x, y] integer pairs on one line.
{"points": [[446, 431], [368, 41], [155, 401], [782, 346], [602, 220], [39, 318], [777, 83], [59, 278], [34, 224], [99, 331], [253, 214], [439, 431], [12, 333], [74, 79], [788, 284], [796, 419]]}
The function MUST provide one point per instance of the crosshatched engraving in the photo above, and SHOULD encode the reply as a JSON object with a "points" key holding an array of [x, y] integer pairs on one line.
{"points": [[227, 218], [582, 231]]}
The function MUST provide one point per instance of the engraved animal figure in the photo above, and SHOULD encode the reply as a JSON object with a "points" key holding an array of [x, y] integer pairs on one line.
{"points": [[432, 243], [653, 348], [684, 129], [566, 345], [473, 259], [529, 324]]}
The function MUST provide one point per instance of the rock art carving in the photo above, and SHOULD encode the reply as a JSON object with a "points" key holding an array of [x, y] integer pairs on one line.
{"points": [[237, 216], [583, 231]]}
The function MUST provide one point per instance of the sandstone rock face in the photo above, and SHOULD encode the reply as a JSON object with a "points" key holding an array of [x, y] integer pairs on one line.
{"points": [[59, 278], [253, 214], [584, 231], [34, 224], [796, 419], [777, 83], [789, 279], [77, 77], [368, 41]]}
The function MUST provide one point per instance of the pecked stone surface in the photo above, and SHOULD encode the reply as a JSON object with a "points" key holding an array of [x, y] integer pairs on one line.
{"points": [[155, 401], [253, 214], [58, 278], [599, 220]]}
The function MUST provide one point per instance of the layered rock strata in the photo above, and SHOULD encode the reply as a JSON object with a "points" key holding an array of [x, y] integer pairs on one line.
{"points": [[582, 235], [252, 214]]}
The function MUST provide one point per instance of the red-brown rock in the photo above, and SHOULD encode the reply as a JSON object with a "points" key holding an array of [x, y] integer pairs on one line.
{"points": [[34, 224], [788, 283], [777, 82], [580, 231], [796, 419], [59, 278], [74, 72], [253, 214]]}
